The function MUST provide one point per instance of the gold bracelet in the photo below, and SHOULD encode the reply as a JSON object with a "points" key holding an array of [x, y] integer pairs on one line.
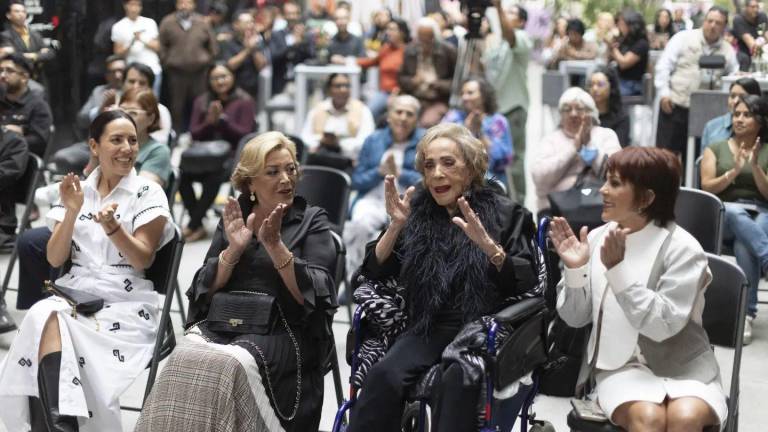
{"points": [[497, 259], [286, 262], [224, 261]]}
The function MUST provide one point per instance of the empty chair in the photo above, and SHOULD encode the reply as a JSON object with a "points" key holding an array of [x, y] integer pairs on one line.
{"points": [[329, 189], [701, 214]]}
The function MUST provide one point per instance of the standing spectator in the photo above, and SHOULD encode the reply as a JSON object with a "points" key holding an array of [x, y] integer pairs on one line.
{"points": [[746, 26], [19, 38], [555, 40], [603, 34], [506, 68], [244, 53], [678, 75], [22, 110], [662, 30], [631, 53], [389, 59], [338, 125], [680, 22], [574, 47], [427, 72], [721, 128], [188, 47], [114, 78], [288, 47], [376, 36], [479, 113], [344, 44], [224, 112], [603, 86], [136, 39], [217, 19]]}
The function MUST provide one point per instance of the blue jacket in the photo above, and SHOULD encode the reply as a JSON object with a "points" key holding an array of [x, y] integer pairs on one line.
{"points": [[366, 175]]}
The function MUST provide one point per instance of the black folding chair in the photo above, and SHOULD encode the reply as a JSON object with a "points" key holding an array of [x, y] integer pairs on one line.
{"points": [[702, 214], [328, 188], [23, 194], [171, 188], [332, 363], [723, 319]]}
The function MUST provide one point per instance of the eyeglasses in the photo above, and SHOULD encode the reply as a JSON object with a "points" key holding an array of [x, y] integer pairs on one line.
{"points": [[219, 77], [569, 109], [8, 71], [340, 86]]}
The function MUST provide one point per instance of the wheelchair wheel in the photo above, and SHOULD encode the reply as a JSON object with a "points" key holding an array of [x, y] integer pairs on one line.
{"points": [[410, 421]]}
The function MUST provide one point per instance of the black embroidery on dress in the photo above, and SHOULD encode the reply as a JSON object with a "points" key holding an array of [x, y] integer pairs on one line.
{"points": [[75, 381], [90, 414], [115, 326], [144, 315], [25, 362], [57, 205], [84, 216], [120, 254], [121, 265], [116, 353], [128, 285], [144, 211], [117, 216], [141, 191], [81, 362]]}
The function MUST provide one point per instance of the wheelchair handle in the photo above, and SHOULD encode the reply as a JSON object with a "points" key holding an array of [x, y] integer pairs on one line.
{"points": [[541, 233]]}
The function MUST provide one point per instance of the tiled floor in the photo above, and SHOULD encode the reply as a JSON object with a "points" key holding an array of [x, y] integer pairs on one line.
{"points": [[754, 384]]}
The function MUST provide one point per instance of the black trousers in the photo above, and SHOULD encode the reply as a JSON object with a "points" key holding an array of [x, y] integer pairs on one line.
{"points": [[672, 131], [197, 207], [33, 266], [381, 403]]}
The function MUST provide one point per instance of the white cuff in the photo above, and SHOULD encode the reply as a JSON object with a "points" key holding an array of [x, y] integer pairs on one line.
{"points": [[619, 277], [577, 277]]}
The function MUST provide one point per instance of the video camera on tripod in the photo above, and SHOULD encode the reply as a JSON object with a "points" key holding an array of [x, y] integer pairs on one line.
{"points": [[475, 11]]}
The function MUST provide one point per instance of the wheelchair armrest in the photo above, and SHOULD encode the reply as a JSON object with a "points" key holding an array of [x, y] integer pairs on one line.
{"points": [[520, 310]]}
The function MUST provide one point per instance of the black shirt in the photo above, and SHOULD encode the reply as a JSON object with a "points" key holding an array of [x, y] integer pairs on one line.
{"points": [[619, 123], [741, 27], [246, 76], [640, 47], [349, 46], [33, 114]]}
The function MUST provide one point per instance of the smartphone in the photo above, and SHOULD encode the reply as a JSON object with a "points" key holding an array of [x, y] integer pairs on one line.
{"points": [[588, 410]]}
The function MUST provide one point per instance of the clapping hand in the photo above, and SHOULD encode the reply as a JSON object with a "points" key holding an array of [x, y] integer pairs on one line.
{"points": [[474, 122], [584, 134], [473, 227], [71, 193], [755, 153], [612, 251], [739, 159], [398, 208], [106, 217], [388, 166], [239, 232], [269, 232], [573, 251], [214, 112]]}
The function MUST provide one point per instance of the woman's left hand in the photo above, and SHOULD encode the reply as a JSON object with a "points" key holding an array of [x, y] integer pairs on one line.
{"points": [[755, 153], [269, 232], [106, 217], [473, 227], [612, 251]]}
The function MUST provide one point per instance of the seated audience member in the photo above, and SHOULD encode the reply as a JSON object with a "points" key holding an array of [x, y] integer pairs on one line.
{"points": [[574, 47], [13, 162], [244, 53], [630, 53], [479, 114], [662, 30], [22, 110], [109, 251], [577, 145], [135, 38], [224, 112], [269, 245], [555, 41], [388, 151], [337, 126], [603, 34], [114, 78], [657, 367], [604, 88], [735, 170], [376, 36], [451, 275], [427, 72], [20, 39], [389, 59], [344, 46], [721, 128]]}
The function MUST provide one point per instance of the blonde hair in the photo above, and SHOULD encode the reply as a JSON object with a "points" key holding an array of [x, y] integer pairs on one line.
{"points": [[254, 156], [471, 148]]}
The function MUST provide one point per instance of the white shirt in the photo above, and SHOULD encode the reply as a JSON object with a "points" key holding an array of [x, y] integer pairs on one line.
{"points": [[338, 125], [122, 32]]}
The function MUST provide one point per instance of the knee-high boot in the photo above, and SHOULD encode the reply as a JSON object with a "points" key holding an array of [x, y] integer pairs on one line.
{"points": [[37, 415], [48, 384]]}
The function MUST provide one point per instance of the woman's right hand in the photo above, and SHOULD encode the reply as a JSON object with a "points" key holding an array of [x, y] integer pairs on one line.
{"points": [[584, 134], [239, 232], [71, 193], [398, 208], [573, 251], [739, 159]]}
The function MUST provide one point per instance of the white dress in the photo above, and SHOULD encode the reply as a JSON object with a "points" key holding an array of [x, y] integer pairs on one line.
{"points": [[101, 354]]}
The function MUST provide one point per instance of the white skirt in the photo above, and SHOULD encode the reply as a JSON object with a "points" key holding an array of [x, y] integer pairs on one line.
{"points": [[101, 355], [636, 382]]}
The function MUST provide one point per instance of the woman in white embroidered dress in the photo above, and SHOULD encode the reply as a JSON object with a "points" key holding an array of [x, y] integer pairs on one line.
{"points": [[109, 226], [641, 280]]}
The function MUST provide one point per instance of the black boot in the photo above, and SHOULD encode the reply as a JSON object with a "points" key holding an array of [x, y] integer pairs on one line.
{"points": [[48, 383], [37, 415]]}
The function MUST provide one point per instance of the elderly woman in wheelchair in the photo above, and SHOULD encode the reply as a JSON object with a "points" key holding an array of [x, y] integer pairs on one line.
{"points": [[640, 279], [458, 248], [77, 351]]}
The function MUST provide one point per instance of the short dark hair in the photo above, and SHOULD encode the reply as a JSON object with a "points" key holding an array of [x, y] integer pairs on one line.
{"points": [[329, 81], [575, 24], [486, 92], [636, 24], [522, 13], [218, 7], [750, 85], [404, 29], [12, 3], [650, 169], [723, 11], [20, 61], [99, 124], [113, 58], [142, 69]]}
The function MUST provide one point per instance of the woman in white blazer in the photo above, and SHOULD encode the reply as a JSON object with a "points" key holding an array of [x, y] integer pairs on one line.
{"points": [[640, 279]]}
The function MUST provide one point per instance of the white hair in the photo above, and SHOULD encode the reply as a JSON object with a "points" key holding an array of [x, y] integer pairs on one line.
{"points": [[577, 94], [430, 23], [405, 99]]}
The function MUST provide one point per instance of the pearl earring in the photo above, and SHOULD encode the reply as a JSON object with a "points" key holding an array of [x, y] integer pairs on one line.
{"points": [[253, 197]]}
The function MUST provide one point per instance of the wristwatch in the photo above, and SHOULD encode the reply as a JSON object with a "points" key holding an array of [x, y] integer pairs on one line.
{"points": [[498, 258]]}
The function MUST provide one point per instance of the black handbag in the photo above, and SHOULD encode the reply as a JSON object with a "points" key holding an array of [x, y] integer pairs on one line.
{"points": [[580, 205], [524, 348], [205, 157], [245, 312], [82, 302]]}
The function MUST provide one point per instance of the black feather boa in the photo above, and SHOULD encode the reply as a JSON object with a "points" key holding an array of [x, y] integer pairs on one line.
{"points": [[441, 267]]}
